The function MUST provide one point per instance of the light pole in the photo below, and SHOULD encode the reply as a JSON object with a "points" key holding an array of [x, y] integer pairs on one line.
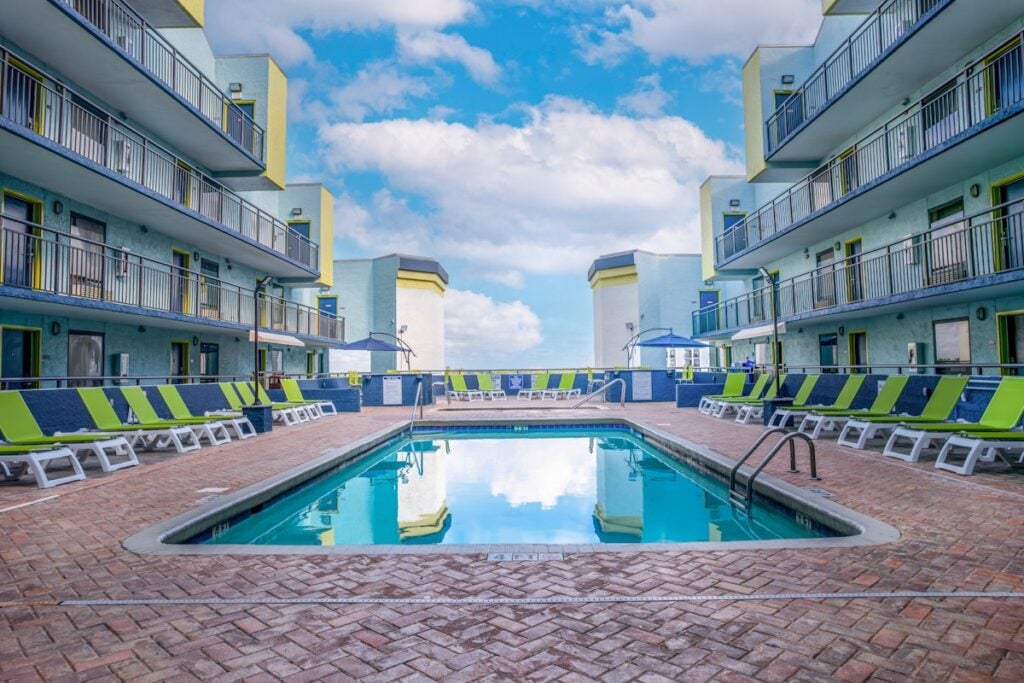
{"points": [[775, 324], [406, 349], [261, 286]]}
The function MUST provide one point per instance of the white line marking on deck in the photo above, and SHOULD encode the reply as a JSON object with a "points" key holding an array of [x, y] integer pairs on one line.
{"points": [[31, 502]]}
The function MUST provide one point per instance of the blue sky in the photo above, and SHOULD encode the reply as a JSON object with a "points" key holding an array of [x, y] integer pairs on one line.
{"points": [[513, 140]]}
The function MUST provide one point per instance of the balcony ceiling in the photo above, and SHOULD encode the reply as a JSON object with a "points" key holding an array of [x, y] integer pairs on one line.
{"points": [[23, 157], [165, 13], [975, 154], [60, 39], [941, 43]]}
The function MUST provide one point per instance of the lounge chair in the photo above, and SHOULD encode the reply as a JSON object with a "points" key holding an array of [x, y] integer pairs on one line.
{"points": [[718, 407], [19, 427], [309, 408], [858, 431], [285, 413], [1002, 414], [537, 389], [843, 401], [564, 389], [207, 428], [748, 412], [234, 422], [460, 391], [980, 448], [486, 384], [293, 392], [833, 419], [734, 383], [161, 435], [16, 460]]}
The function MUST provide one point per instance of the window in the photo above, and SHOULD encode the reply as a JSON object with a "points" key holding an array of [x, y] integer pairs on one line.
{"points": [[827, 347], [209, 288], [209, 362], [276, 361], [947, 249], [86, 256], [85, 358], [952, 346]]}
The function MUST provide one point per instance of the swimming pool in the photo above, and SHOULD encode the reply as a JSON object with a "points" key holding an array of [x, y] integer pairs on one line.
{"points": [[587, 484]]}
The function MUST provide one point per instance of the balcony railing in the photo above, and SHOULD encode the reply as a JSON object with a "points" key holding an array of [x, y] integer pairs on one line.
{"points": [[880, 31], [71, 121], [41, 259], [974, 96], [144, 44], [988, 243]]}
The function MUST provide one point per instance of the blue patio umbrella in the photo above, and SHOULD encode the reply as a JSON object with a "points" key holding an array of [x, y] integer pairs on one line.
{"points": [[673, 341], [371, 344]]}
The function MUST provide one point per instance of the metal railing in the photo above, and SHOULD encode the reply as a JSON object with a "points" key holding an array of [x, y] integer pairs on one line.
{"points": [[741, 495], [979, 93], [983, 244], [144, 44], [881, 30], [45, 260], [603, 390], [67, 119]]}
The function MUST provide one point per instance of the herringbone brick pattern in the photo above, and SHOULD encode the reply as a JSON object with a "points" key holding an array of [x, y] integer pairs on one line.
{"points": [[956, 534]]}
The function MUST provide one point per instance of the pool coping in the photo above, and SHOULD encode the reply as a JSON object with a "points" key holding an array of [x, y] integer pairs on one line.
{"points": [[864, 530]]}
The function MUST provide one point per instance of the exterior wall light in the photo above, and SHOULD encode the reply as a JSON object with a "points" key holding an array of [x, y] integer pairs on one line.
{"points": [[297, 211], [788, 79], [58, 207], [734, 203], [975, 190], [55, 328], [235, 88], [981, 313]]}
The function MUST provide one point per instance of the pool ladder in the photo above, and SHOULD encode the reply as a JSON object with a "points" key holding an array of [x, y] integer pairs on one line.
{"points": [[741, 494]]}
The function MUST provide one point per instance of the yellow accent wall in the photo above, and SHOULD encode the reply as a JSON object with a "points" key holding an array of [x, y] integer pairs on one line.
{"points": [[753, 116], [195, 9], [827, 5], [277, 123], [612, 277], [707, 233], [411, 279], [326, 238]]}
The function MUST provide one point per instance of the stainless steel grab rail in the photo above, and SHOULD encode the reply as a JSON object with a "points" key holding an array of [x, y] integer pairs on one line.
{"points": [[589, 397], [417, 402], [745, 499]]}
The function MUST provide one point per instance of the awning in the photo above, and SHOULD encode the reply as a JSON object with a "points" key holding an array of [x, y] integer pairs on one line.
{"points": [[274, 338], [759, 331]]}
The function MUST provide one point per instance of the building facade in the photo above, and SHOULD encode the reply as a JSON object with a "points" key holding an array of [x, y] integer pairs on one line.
{"points": [[637, 291], [144, 196], [395, 297], [883, 193]]}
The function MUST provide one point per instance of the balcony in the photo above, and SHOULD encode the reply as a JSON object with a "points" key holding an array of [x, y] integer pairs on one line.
{"points": [[107, 48], [983, 250], [965, 128], [901, 46], [50, 269], [59, 140]]}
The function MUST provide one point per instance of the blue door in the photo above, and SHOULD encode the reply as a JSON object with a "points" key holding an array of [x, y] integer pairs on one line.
{"points": [[328, 306], [298, 242], [734, 234], [708, 300]]}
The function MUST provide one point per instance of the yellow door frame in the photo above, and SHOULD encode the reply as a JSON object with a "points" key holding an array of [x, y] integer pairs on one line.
{"points": [[995, 193], [38, 207], [186, 360], [37, 346], [843, 156], [990, 84], [40, 88], [185, 284]]}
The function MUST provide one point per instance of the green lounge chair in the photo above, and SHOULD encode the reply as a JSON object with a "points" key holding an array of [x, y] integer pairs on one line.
{"points": [[460, 391], [302, 408], [799, 400], [1002, 414], [833, 419], [486, 384], [537, 388], [564, 389], [19, 428], [234, 422], [717, 408], [749, 412], [16, 460], [734, 383], [293, 392], [981, 448], [162, 435], [858, 431], [285, 413], [843, 401], [207, 428]]}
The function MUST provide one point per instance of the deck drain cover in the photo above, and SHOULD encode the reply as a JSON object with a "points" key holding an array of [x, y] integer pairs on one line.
{"points": [[821, 492], [519, 557]]}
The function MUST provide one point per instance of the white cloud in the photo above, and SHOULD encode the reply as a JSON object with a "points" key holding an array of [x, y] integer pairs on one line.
{"points": [[378, 88], [546, 196], [273, 25], [479, 329], [427, 46], [648, 99], [697, 30]]}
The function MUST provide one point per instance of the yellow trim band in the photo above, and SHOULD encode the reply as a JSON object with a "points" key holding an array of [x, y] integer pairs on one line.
{"points": [[411, 279]]}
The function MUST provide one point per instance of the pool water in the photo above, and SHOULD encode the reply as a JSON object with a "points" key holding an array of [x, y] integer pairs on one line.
{"points": [[502, 486]]}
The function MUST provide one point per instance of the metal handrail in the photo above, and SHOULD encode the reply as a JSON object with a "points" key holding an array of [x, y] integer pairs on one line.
{"points": [[126, 28], [72, 121], [748, 493], [982, 244], [979, 93], [882, 29], [591, 396], [42, 259], [417, 402]]}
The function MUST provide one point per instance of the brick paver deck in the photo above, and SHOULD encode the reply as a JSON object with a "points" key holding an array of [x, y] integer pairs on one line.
{"points": [[957, 533]]}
